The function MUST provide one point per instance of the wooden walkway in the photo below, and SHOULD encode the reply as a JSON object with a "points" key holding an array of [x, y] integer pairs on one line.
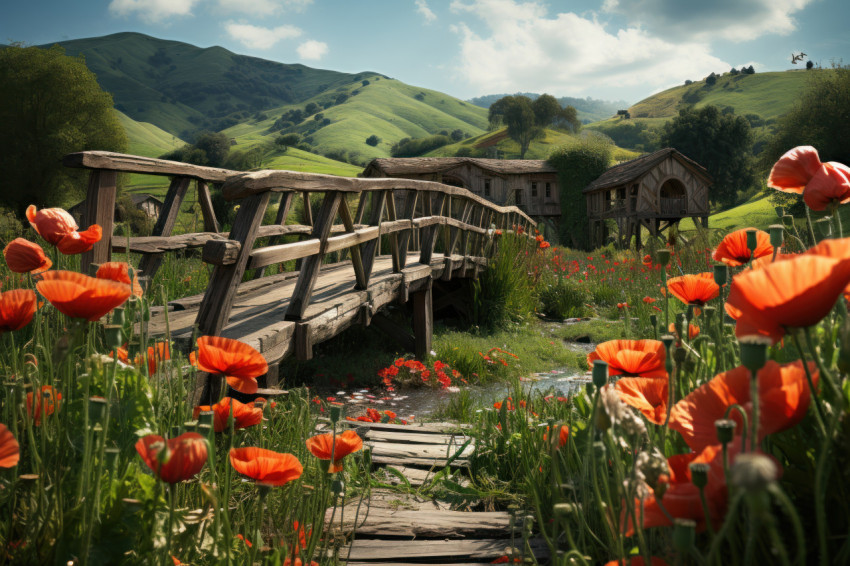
{"points": [[426, 232], [400, 527]]}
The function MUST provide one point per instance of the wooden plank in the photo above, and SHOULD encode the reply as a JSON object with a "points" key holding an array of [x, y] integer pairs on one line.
{"points": [[207, 212], [160, 244], [356, 259], [221, 252], [421, 524], [279, 222], [435, 427], [394, 454], [371, 550], [148, 165], [308, 208], [370, 250], [355, 238], [404, 238], [423, 322], [270, 255], [414, 437], [224, 281], [391, 215], [430, 236], [165, 223], [310, 267], [100, 210]]}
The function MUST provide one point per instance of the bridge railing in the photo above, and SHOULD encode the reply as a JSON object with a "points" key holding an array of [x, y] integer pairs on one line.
{"points": [[354, 214]]}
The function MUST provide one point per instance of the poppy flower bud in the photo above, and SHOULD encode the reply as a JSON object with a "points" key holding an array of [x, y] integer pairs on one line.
{"points": [[114, 335], [699, 474], [563, 510], [335, 413], [653, 320], [753, 472], [663, 256], [788, 221], [337, 487], [725, 430], [753, 355], [709, 312], [206, 417], [528, 524], [681, 325], [96, 407], [118, 316], [777, 235], [752, 241], [824, 227], [680, 355], [600, 373], [684, 533], [721, 274], [780, 211]]}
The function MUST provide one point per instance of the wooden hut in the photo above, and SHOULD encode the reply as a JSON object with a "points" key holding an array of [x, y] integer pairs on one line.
{"points": [[530, 184], [654, 191]]}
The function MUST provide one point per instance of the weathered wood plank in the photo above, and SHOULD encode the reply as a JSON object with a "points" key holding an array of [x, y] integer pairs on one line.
{"points": [[148, 165], [370, 249], [160, 244], [100, 210], [165, 223], [270, 255], [414, 550], [207, 212], [421, 524], [356, 259]]}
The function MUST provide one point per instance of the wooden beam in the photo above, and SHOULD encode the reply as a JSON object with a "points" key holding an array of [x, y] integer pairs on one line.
{"points": [[279, 222], [370, 249], [108, 160], [207, 212], [423, 321], [100, 210], [356, 258], [434, 210], [165, 223], [404, 238]]}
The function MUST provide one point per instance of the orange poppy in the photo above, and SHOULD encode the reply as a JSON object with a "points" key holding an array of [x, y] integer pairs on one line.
{"points": [[831, 184], [52, 224], [238, 362], [297, 562], [324, 447], [647, 260], [157, 353], [243, 415], [794, 169], [45, 404], [176, 459], [681, 498], [563, 435], [693, 330], [10, 451], [648, 300], [694, 289], [16, 309], [265, 466], [784, 398], [796, 292], [733, 250], [79, 242], [81, 296], [637, 561], [644, 358], [647, 395], [119, 271], [23, 256]]}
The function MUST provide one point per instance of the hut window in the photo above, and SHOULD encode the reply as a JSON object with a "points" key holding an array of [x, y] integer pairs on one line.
{"points": [[534, 189], [518, 196], [486, 187], [548, 190]]}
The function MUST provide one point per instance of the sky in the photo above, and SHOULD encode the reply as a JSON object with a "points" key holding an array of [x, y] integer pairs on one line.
{"points": [[605, 49]]}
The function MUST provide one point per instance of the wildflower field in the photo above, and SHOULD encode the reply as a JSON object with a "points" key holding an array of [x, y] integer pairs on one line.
{"points": [[714, 429]]}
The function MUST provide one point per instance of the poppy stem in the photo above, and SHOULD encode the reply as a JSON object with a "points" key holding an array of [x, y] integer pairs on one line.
{"points": [[818, 408], [827, 375], [724, 530], [810, 227], [789, 509], [754, 400]]}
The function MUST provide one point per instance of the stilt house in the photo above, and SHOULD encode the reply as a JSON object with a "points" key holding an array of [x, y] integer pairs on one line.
{"points": [[655, 191]]}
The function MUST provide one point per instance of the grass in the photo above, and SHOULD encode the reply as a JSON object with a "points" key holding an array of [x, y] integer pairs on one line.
{"points": [[146, 139]]}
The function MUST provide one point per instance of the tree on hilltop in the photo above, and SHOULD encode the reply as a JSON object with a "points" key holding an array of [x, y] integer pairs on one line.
{"points": [[50, 105]]}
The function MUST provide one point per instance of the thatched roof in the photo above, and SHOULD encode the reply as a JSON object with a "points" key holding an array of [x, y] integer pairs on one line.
{"points": [[398, 166], [629, 171]]}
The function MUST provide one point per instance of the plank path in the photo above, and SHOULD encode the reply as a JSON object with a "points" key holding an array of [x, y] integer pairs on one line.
{"points": [[401, 527]]}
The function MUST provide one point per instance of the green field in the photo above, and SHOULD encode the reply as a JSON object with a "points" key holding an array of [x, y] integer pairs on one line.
{"points": [[147, 139]]}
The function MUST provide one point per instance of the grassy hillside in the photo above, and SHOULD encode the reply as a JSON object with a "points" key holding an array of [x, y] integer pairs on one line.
{"points": [[182, 88], [386, 108], [588, 109], [147, 139]]}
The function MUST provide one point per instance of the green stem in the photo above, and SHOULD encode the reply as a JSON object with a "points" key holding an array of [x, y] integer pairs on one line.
{"points": [[754, 400], [788, 506], [819, 415], [825, 373], [810, 227], [820, 496]]}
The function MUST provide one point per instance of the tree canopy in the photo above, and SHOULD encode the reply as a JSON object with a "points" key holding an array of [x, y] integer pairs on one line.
{"points": [[526, 119], [720, 142], [50, 105]]}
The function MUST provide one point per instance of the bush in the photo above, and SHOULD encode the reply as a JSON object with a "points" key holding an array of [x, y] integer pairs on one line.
{"points": [[412, 148], [373, 140], [504, 295], [565, 299]]}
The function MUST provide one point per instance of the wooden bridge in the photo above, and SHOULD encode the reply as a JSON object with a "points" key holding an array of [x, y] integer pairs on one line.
{"points": [[370, 243]]}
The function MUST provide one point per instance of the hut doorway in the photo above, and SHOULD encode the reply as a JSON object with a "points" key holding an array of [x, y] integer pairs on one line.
{"points": [[673, 198], [453, 181]]}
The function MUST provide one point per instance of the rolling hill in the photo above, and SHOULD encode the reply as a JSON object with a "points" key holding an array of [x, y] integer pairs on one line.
{"points": [[146, 139]]}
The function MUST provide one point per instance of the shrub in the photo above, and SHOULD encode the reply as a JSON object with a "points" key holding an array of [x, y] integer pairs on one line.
{"points": [[373, 140], [504, 295], [565, 299], [411, 148]]}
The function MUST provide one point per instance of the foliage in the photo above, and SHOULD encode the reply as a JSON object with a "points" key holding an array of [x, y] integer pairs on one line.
{"points": [[719, 142], [517, 114], [412, 147], [373, 140], [210, 149], [577, 166], [636, 135], [50, 105], [564, 298]]}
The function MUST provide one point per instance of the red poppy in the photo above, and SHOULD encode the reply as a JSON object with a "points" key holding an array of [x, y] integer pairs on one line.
{"points": [[648, 300], [79, 242], [119, 271], [563, 435], [838, 248], [265, 466], [10, 451], [796, 293], [238, 362], [23, 256], [794, 169], [324, 447], [46, 403], [176, 459], [644, 358], [297, 562], [637, 561], [52, 224], [784, 398], [694, 289], [647, 260], [81, 296], [733, 250], [243, 415], [831, 184], [157, 353], [693, 330], [647, 395], [16, 309]]}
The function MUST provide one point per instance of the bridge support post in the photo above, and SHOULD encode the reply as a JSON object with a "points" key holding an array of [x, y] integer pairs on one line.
{"points": [[423, 321]]}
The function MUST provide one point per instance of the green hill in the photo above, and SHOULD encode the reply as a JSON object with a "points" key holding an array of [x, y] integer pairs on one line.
{"points": [[147, 139]]}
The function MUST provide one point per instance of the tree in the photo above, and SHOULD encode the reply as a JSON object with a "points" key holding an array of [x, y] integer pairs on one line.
{"points": [[722, 143], [50, 105], [578, 165], [373, 140], [311, 108], [216, 146], [287, 140], [809, 65], [711, 79], [522, 124], [546, 108]]}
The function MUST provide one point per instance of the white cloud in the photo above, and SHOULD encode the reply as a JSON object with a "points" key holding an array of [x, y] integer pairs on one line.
{"points": [[427, 14], [257, 37], [263, 7], [523, 49], [706, 20], [312, 50], [153, 11]]}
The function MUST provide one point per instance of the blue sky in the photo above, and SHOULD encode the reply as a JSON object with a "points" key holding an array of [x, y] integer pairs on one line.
{"points": [[610, 49]]}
